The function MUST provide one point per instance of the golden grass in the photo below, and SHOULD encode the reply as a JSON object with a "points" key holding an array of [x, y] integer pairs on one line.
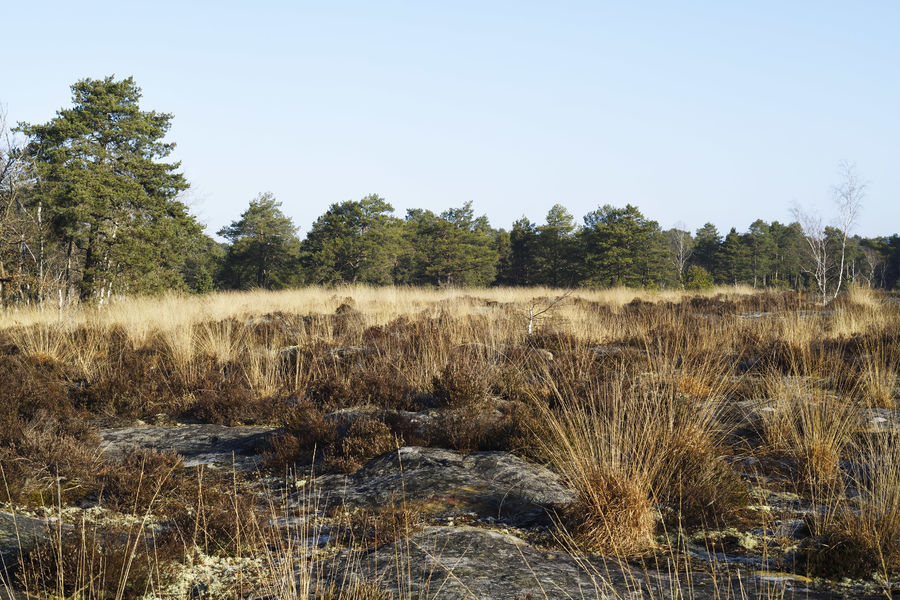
{"points": [[626, 400], [876, 374], [141, 316], [876, 518], [860, 531], [626, 445]]}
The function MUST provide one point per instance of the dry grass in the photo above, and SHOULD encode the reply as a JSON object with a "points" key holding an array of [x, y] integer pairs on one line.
{"points": [[629, 395], [380, 305], [858, 534], [624, 447], [876, 372], [814, 428]]}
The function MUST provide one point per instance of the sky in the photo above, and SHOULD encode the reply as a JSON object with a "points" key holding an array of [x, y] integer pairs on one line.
{"points": [[692, 111]]}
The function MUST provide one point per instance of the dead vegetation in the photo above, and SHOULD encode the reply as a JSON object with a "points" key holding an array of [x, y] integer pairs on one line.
{"points": [[638, 400]]}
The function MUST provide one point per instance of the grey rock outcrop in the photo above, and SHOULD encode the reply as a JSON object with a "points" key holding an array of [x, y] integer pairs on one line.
{"points": [[18, 536], [197, 444], [442, 482], [472, 563]]}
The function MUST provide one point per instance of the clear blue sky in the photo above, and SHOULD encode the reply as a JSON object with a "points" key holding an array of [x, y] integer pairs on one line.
{"points": [[693, 111]]}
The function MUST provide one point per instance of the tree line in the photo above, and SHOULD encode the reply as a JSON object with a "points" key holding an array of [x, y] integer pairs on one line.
{"points": [[91, 208]]}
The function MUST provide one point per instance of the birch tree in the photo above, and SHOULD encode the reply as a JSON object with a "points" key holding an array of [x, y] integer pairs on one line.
{"points": [[848, 196], [681, 246], [817, 245]]}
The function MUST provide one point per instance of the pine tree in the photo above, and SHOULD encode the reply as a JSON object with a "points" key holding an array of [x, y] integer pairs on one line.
{"points": [[556, 248], [108, 196], [733, 261], [453, 248], [761, 252], [523, 243], [707, 246], [621, 247], [353, 242], [264, 249]]}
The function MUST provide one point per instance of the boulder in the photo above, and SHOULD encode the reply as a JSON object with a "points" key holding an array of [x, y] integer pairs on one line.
{"points": [[444, 483], [18, 536], [469, 563], [198, 444]]}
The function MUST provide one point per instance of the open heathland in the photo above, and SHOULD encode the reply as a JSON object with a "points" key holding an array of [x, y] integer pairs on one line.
{"points": [[360, 442]]}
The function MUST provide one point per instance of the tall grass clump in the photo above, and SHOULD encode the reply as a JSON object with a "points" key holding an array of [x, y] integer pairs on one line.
{"points": [[857, 534], [813, 427], [608, 460], [877, 371], [627, 446]]}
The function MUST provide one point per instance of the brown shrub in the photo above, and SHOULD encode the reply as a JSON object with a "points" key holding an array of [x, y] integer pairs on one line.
{"points": [[466, 380], [31, 385], [44, 457], [231, 404], [340, 446], [306, 431], [333, 389], [363, 440], [111, 564], [135, 482], [348, 323], [194, 506], [843, 553], [488, 426], [206, 511], [133, 384], [381, 384], [697, 483]]}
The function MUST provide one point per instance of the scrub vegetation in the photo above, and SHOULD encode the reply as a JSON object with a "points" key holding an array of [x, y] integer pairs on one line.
{"points": [[667, 414]]}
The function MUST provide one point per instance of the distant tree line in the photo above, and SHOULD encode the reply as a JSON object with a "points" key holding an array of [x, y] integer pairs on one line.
{"points": [[364, 242], [91, 208]]}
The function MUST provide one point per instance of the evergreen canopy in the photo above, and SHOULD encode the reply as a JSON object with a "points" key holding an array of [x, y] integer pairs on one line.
{"points": [[109, 196]]}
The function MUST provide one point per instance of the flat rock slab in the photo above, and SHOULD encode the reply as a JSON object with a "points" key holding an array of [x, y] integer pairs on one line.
{"points": [[197, 444], [880, 419], [19, 535], [443, 483], [472, 563]]}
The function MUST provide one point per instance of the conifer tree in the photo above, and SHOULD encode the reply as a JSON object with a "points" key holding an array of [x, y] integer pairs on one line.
{"points": [[556, 248], [109, 197], [353, 242], [264, 250]]}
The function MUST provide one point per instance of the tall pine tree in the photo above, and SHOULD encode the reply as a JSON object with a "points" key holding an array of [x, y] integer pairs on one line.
{"points": [[264, 250], [109, 196]]}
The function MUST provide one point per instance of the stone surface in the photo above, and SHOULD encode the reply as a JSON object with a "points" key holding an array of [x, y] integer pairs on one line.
{"points": [[438, 482], [417, 423], [352, 351], [468, 562], [197, 444], [880, 419], [18, 535]]}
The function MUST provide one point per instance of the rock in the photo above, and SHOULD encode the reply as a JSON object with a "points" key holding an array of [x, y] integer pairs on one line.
{"points": [[442, 483], [748, 364], [601, 351], [880, 419], [198, 444], [344, 352], [289, 354], [162, 419], [543, 354], [416, 423], [19, 535], [468, 562]]}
